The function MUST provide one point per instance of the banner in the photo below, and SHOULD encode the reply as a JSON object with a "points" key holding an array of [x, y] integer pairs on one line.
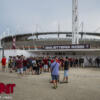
{"points": [[73, 46]]}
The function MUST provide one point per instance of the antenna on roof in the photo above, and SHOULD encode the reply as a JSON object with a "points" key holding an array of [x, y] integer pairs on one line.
{"points": [[82, 31], [58, 29], [36, 28]]}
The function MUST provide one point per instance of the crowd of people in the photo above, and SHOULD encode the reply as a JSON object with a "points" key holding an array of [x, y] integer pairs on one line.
{"points": [[37, 65]]}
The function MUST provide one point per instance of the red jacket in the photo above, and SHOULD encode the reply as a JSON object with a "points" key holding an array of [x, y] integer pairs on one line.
{"points": [[3, 61]]}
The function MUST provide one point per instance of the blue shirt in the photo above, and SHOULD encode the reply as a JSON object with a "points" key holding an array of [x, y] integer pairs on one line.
{"points": [[55, 66]]}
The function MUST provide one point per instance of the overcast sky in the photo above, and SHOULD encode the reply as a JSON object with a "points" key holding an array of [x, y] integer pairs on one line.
{"points": [[22, 16]]}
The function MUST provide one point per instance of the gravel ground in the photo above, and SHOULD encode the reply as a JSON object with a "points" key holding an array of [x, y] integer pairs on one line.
{"points": [[84, 84]]}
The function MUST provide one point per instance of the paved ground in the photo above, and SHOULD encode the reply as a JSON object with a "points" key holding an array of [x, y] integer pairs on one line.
{"points": [[84, 84]]}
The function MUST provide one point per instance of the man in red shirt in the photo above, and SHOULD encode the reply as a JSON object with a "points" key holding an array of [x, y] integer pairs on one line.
{"points": [[3, 63], [24, 66], [45, 64], [19, 66]]}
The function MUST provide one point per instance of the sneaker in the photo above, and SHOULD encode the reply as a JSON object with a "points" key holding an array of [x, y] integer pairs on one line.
{"points": [[51, 82], [54, 87], [66, 82]]}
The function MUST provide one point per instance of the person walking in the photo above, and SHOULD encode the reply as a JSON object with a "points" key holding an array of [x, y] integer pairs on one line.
{"points": [[20, 66], [55, 72], [3, 63], [66, 68]]}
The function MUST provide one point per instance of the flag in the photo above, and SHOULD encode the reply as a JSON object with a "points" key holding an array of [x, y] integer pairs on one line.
{"points": [[14, 43]]}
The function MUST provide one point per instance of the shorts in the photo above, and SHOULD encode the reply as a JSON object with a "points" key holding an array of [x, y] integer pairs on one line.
{"points": [[45, 66], [28, 66], [34, 68], [20, 70], [65, 73], [55, 77], [24, 68], [10, 65]]}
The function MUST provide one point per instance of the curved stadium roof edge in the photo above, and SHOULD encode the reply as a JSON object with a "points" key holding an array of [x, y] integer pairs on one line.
{"points": [[47, 33]]}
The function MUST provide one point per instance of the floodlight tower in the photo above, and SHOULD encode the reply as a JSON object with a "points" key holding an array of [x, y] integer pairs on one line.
{"points": [[75, 33], [0, 42]]}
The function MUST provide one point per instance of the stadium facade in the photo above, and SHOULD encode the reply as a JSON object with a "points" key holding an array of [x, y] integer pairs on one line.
{"points": [[37, 44]]}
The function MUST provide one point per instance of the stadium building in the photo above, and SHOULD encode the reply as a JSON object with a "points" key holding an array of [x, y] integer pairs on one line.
{"points": [[53, 43], [74, 44]]}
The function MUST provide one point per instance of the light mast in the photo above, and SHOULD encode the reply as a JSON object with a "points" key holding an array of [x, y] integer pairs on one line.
{"points": [[75, 21]]}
